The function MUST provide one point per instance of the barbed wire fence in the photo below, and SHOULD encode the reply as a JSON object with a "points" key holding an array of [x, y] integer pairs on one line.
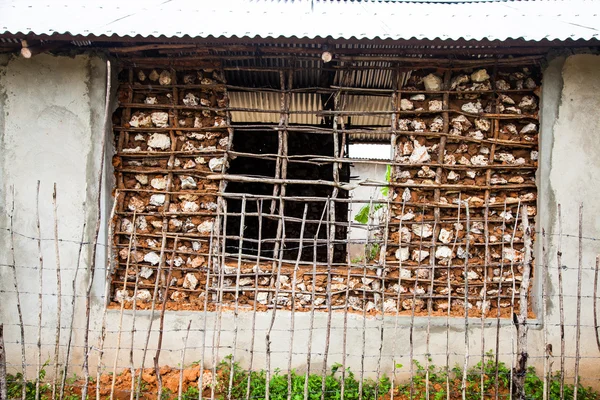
{"points": [[92, 343]]}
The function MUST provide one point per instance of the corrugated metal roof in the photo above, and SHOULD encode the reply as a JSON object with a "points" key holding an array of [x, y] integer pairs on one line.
{"points": [[530, 20]]}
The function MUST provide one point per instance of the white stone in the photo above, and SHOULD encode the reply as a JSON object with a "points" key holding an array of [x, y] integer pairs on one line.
{"points": [[403, 175], [418, 125], [443, 252], [530, 83], [479, 160], [452, 176], [159, 183], [419, 255], [190, 207], [406, 195], [122, 295], [190, 100], [496, 180], [435, 105], [417, 97], [164, 78], [471, 174], [501, 84], [528, 103], [422, 230], [461, 123], [480, 76], [146, 272], [510, 128], [476, 135], [506, 99], [406, 105], [152, 258], [529, 128], [187, 182], [190, 281], [402, 254], [216, 164], [157, 199], [425, 172], [445, 236], [471, 275], [143, 295], [160, 119], [482, 124], [534, 155], [136, 204], [512, 254], [419, 155], [140, 121], [389, 305], [437, 124], [223, 142], [205, 227], [142, 179], [159, 141], [459, 80], [472, 108], [150, 100], [505, 158], [432, 82]]}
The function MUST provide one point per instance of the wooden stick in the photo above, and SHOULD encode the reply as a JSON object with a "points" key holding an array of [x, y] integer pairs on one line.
{"points": [[161, 325], [497, 350], [596, 301], [345, 337], [19, 312], [293, 312], [561, 304], [74, 288], [152, 309], [183, 349], [133, 330], [132, 239], [91, 270], [449, 300], [512, 304], [466, 303], [40, 296], [522, 327], [3, 384], [259, 205], [237, 293], [364, 306], [548, 346], [58, 293], [578, 323], [205, 313], [275, 304], [312, 307]]}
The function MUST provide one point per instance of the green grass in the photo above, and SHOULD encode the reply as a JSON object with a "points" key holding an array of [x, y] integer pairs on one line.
{"points": [[430, 377]]}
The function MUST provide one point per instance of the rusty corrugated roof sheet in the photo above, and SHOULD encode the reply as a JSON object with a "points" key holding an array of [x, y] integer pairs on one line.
{"points": [[470, 20]]}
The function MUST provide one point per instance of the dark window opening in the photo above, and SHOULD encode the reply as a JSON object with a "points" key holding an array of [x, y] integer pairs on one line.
{"points": [[299, 144]]}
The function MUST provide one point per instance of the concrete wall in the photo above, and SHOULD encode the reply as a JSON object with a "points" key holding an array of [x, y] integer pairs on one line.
{"points": [[51, 130]]}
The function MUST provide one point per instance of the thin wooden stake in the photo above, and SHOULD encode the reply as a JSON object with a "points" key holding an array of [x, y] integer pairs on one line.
{"points": [[293, 311], [74, 288], [237, 295], [578, 323], [3, 384], [41, 285], [58, 293], [182, 365], [561, 305], [159, 394], [132, 239], [16, 285], [466, 303]]}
